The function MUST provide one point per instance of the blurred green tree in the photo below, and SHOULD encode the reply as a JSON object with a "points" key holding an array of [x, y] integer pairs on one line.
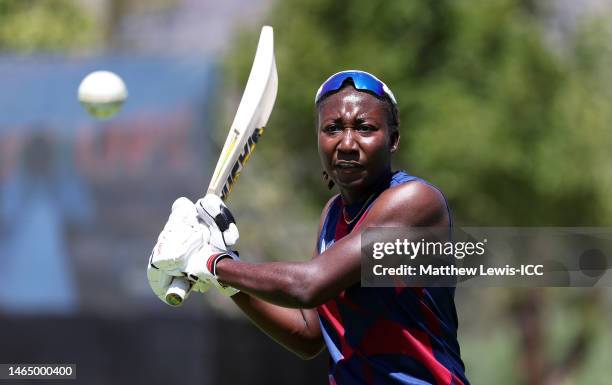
{"points": [[34, 25], [511, 130]]}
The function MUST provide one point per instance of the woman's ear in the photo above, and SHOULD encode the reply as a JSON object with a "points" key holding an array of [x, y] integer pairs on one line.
{"points": [[395, 137], [328, 181]]}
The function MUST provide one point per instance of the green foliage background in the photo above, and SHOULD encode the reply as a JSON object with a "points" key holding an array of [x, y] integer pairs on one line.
{"points": [[514, 131], [40, 25]]}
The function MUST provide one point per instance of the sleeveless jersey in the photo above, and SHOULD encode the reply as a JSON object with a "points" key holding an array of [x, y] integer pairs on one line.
{"points": [[388, 336]]}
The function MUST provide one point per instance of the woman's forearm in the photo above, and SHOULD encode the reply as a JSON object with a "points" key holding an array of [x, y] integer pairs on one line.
{"points": [[297, 330], [287, 284]]}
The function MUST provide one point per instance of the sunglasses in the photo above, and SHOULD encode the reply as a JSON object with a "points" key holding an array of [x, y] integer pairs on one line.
{"points": [[362, 80]]}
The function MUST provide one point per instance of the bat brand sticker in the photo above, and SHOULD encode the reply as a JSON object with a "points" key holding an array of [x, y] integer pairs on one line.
{"points": [[242, 160]]}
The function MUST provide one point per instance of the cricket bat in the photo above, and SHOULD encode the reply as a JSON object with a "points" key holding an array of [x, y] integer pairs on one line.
{"points": [[248, 126]]}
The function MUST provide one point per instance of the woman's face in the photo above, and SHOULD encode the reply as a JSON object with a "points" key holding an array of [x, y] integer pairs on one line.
{"points": [[355, 144]]}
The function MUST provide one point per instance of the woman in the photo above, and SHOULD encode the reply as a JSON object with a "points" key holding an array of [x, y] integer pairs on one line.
{"points": [[373, 335]]}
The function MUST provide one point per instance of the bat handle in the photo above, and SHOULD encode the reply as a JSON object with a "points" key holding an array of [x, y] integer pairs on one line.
{"points": [[178, 291]]}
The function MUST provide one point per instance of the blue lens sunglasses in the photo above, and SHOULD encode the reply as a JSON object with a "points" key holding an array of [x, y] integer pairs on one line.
{"points": [[362, 80]]}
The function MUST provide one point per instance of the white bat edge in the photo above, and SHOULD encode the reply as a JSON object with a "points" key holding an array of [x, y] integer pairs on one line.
{"points": [[253, 112]]}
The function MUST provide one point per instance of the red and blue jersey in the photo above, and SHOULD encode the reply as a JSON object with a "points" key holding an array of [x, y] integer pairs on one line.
{"points": [[388, 336]]}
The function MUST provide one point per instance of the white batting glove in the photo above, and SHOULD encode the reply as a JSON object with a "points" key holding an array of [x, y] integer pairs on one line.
{"points": [[159, 281], [223, 235], [201, 268], [189, 239], [182, 235], [216, 215]]}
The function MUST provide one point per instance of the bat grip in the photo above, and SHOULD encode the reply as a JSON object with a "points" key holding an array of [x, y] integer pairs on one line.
{"points": [[178, 291]]}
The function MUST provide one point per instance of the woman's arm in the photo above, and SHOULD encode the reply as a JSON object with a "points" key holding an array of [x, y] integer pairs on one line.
{"points": [[312, 283], [298, 330]]}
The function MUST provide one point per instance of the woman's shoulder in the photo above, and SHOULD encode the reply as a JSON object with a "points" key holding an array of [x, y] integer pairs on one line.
{"points": [[409, 185], [414, 201]]}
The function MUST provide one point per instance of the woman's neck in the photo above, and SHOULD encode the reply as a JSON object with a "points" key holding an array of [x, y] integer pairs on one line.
{"points": [[351, 196]]}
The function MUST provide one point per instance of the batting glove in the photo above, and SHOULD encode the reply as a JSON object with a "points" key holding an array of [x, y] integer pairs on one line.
{"points": [[216, 215], [223, 235], [191, 237], [159, 281], [202, 266], [182, 235]]}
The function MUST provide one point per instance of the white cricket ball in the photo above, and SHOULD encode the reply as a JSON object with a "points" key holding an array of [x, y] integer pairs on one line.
{"points": [[102, 93]]}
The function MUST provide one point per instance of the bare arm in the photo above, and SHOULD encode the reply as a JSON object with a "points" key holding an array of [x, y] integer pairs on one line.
{"points": [[312, 283], [297, 330]]}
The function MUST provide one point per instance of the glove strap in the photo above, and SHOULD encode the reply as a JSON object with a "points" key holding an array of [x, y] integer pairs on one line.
{"points": [[211, 264]]}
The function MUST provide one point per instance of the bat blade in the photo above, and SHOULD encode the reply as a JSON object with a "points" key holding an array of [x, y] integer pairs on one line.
{"points": [[248, 126], [252, 115]]}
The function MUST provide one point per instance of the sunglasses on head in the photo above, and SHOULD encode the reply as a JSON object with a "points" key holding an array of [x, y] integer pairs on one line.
{"points": [[362, 80]]}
